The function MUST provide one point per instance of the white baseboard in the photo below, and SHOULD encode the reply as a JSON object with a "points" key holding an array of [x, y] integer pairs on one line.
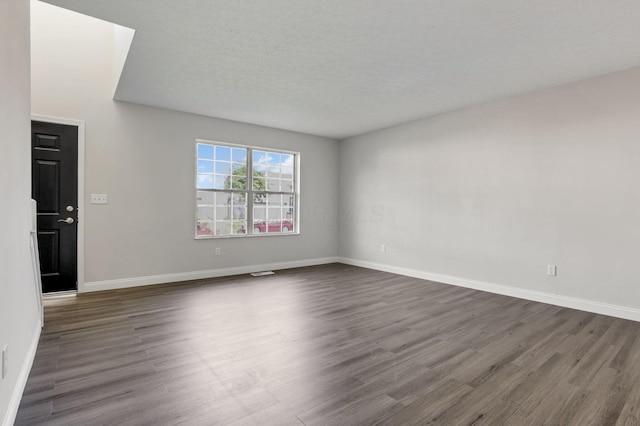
{"points": [[536, 296], [18, 390], [199, 275]]}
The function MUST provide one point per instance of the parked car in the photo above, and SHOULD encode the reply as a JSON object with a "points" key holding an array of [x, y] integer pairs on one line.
{"points": [[272, 226], [204, 230]]}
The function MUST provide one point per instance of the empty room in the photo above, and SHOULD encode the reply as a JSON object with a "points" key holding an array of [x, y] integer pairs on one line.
{"points": [[319, 212]]}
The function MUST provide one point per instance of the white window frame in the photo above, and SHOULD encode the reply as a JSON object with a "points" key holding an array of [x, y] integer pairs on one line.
{"points": [[250, 192]]}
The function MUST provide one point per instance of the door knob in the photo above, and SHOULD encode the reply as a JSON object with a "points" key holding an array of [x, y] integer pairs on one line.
{"points": [[69, 208], [68, 220]]}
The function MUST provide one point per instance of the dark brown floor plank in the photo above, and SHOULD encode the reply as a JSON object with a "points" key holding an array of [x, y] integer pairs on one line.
{"points": [[331, 344]]}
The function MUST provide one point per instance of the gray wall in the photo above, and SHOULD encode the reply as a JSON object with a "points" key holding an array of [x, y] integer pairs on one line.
{"points": [[496, 192], [492, 193], [144, 157], [19, 318]]}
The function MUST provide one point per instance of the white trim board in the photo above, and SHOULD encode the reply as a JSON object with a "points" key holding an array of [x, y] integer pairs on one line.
{"points": [[81, 164], [199, 275], [18, 390], [536, 296]]}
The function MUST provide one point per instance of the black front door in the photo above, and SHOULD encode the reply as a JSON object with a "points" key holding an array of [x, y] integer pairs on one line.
{"points": [[54, 180]]}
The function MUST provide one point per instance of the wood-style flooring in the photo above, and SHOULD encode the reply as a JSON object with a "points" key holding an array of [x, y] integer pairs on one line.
{"points": [[328, 345]]}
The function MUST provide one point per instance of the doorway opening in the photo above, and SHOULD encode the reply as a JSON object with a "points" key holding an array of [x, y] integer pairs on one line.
{"points": [[57, 158]]}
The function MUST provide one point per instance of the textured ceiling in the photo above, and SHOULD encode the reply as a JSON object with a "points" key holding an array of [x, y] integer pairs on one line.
{"points": [[338, 68]]}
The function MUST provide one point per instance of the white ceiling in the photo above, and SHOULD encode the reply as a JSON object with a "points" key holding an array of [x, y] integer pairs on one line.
{"points": [[338, 68]]}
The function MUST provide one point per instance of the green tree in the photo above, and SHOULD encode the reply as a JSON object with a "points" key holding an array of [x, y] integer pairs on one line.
{"points": [[238, 182]]}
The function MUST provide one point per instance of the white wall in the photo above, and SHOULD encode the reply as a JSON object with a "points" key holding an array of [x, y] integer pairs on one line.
{"points": [[492, 194], [489, 195], [19, 318], [143, 158]]}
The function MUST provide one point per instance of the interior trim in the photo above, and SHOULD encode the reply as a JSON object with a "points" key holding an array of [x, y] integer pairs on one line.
{"points": [[18, 390], [536, 296], [199, 275], [80, 124]]}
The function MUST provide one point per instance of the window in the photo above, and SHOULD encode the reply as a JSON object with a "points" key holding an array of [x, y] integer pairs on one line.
{"points": [[243, 191]]}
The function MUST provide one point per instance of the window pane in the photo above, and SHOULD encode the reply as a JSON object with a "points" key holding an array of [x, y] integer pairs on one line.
{"points": [[288, 213], [205, 151], [239, 212], [204, 220], [286, 185], [240, 199], [274, 200], [223, 213], [273, 185], [221, 182], [289, 202], [239, 169], [259, 199], [273, 158], [204, 228], [239, 155], [205, 212], [259, 157], [204, 182], [286, 172], [259, 169], [223, 153], [239, 227], [287, 226], [205, 197], [223, 168], [205, 166], [223, 198], [274, 214], [223, 228], [259, 182], [259, 214], [286, 160], [239, 183]]}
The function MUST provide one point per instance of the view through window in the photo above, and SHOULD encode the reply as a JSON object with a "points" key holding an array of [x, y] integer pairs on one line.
{"points": [[243, 191]]}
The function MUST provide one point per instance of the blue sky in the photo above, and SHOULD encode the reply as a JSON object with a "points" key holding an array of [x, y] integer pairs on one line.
{"points": [[221, 160]]}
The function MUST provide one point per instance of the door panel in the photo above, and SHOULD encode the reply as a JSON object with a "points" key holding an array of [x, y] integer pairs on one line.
{"points": [[46, 175], [48, 245], [55, 188]]}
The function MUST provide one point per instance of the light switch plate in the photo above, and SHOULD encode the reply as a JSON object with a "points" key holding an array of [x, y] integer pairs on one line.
{"points": [[98, 198]]}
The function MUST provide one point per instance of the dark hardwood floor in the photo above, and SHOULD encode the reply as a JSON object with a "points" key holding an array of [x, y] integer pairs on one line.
{"points": [[328, 345]]}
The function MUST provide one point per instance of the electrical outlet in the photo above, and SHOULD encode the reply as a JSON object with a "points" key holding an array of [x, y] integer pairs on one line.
{"points": [[383, 248], [5, 361], [551, 270], [217, 251], [98, 198]]}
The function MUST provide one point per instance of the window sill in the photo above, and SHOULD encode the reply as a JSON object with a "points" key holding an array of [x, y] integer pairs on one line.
{"points": [[266, 234]]}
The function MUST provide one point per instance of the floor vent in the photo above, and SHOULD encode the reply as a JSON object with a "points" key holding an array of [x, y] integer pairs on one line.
{"points": [[263, 273]]}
